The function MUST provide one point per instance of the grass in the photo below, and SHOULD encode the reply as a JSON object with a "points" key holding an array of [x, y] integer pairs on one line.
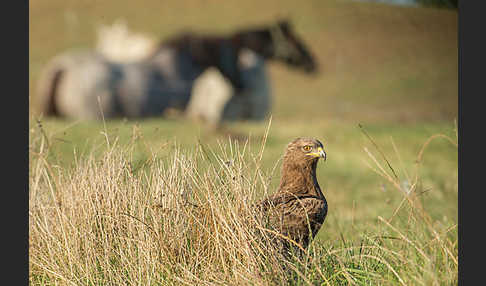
{"points": [[108, 221], [105, 205]]}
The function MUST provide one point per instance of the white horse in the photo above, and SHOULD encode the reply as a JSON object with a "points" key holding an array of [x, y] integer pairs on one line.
{"points": [[148, 80]]}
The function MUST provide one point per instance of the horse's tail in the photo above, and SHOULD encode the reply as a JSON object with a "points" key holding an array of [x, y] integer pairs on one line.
{"points": [[48, 106], [47, 87]]}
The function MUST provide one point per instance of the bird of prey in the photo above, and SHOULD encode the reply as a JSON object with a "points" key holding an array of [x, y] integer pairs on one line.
{"points": [[298, 208]]}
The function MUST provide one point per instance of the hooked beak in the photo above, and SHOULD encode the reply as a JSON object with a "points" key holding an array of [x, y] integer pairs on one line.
{"points": [[319, 154]]}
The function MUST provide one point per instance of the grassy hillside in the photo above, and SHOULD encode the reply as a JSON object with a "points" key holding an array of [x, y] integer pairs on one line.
{"points": [[391, 69]]}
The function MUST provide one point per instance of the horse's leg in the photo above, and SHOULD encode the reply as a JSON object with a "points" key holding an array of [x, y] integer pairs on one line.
{"points": [[259, 93], [236, 108], [254, 101], [210, 93]]}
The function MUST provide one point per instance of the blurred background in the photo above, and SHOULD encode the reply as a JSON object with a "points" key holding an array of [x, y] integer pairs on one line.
{"points": [[378, 61], [391, 67]]}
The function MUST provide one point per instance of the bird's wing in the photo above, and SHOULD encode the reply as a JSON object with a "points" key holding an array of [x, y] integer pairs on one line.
{"points": [[298, 218], [291, 208]]}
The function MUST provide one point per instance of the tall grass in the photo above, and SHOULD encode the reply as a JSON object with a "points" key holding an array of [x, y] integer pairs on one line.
{"points": [[187, 219]]}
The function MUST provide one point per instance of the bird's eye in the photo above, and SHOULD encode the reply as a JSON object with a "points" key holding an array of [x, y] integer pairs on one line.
{"points": [[307, 148]]}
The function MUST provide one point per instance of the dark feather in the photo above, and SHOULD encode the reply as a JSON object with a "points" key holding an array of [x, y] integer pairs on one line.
{"points": [[298, 208]]}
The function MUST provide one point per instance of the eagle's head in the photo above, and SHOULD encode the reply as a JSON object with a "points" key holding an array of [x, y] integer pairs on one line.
{"points": [[304, 151]]}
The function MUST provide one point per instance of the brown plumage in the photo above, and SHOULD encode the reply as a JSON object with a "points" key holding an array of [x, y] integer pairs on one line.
{"points": [[298, 208]]}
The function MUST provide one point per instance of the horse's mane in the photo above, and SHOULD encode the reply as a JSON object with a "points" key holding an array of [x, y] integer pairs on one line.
{"points": [[254, 37], [272, 41], [199, 46]]}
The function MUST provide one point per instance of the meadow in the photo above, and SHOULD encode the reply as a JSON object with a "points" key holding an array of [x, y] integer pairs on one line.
{"points": [[108, 201]]}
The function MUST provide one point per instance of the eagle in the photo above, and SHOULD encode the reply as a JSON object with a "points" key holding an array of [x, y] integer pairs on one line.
{"points": [[298, 208]]}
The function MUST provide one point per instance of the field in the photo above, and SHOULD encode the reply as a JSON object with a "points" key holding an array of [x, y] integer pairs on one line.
{"points": [[386, 94]]}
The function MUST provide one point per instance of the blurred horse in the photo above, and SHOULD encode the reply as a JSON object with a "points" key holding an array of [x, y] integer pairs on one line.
{"points": [[87, 85]]}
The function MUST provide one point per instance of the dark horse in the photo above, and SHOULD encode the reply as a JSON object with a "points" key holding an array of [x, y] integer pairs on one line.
{"points": [[86, 85]]}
